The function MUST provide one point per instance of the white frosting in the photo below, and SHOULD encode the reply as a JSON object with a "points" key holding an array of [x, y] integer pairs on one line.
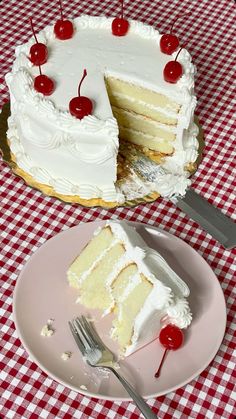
{"points": [[167, 295], [179, 313], [79, 156]]}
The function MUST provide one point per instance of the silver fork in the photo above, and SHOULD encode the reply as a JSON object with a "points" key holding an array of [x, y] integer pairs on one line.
{"points": [[97, 354]]}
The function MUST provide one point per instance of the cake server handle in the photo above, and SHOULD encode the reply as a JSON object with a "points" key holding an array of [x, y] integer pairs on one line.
{"points": [[138, 400], [220, 226]]}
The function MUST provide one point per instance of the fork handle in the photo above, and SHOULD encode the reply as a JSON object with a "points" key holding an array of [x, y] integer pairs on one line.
{"points": [[138, 400]]}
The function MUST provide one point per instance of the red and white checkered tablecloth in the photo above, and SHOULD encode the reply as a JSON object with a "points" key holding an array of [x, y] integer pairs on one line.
{"points": [[28, 218]]}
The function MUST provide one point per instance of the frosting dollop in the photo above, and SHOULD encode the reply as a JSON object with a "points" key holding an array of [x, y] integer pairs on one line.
{"points": [[179, 313]]}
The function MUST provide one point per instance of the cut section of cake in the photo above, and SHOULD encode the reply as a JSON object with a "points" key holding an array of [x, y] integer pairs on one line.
{"points": [[118, 273], [145, 117]]}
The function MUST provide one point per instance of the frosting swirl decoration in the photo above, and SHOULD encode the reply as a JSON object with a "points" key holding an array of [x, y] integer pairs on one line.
{"points": [[179, 313]]}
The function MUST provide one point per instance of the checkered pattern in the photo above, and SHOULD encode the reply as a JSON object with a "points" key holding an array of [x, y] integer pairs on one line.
{"points": [[28, 218]]}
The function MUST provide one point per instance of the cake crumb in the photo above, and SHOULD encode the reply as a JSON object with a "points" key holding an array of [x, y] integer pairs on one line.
{"points": [[47, 329], [66, 355], [83, 387]]}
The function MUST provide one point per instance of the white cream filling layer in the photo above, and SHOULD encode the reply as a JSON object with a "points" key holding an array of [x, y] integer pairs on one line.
{"points": [[165, 111]]}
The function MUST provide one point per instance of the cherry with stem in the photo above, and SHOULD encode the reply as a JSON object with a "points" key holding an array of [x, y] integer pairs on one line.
{"points": [[81, 106], [120, 26], [38, 51], [171, 337], [63, 28], [61, 10], [173, 70], [169, 42], [43, 84]]}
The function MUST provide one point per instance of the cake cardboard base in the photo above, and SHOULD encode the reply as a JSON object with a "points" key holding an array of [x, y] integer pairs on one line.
{"points": [[9, 158]]}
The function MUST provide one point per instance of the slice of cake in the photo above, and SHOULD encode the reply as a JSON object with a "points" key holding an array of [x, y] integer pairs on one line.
{"points": [[76, 159], [117, 272]]}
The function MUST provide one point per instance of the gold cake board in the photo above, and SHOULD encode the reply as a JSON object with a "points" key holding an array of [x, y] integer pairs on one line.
{"points": [[9, 158]]}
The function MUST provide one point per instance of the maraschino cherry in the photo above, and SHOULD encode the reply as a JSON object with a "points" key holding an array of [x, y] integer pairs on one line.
{"points": [[63, 29], [81, 106], [169, 43], [38, 51], [171, 337], [120, 26], [43, 84], [173, 70]]}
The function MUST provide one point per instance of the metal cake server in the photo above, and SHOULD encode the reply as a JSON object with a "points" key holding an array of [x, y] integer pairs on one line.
{"points": [[210, 218], [219, 225]]}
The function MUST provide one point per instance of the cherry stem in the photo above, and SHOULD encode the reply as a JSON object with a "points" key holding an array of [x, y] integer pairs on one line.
{"points": [[40, 71], [157, 374], [32, 27], [81, 81], [178, 53], [122, 9], [61, 11], [172, 26]]}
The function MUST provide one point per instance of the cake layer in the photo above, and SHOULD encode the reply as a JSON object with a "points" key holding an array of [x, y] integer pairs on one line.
{"points": [[128, 303], [137, 93], [140, 107], [84, 263], [132, 120], [139, 138], [94, 292]]}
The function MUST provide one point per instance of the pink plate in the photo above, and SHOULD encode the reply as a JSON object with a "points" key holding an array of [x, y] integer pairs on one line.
{"points": [[42, 293]]}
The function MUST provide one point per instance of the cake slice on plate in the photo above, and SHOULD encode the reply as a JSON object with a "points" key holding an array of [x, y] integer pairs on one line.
{"points": [[117, 272]]}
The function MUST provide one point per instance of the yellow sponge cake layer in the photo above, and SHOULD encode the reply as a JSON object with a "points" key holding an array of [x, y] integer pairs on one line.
{"points": [[123, 280], [90, 253], [129, 119], [128, 306], [140, 107], [139, 93], [94, 291], [141, 139]]}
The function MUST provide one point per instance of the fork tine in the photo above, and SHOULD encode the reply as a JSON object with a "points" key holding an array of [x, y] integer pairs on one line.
{"points": [[85, 337], [77, 338], [98, 355], [91, 331]]}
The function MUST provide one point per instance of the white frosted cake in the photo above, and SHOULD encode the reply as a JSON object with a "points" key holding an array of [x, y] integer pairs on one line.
{"points": [[132, 103], [117, 272]]}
